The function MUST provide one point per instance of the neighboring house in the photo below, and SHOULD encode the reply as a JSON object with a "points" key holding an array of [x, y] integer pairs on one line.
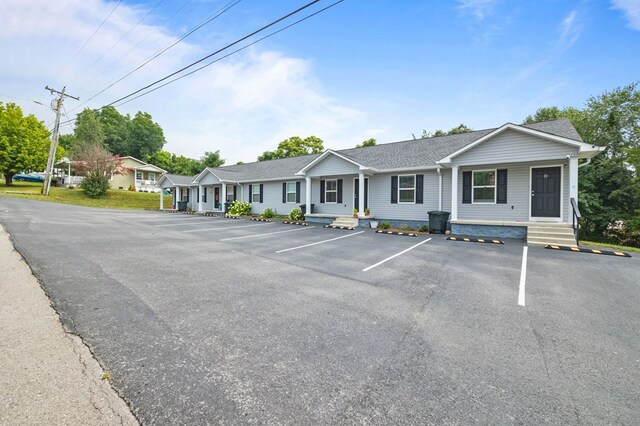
{"points": [[142, 176], [495, 182], [180, 187]]}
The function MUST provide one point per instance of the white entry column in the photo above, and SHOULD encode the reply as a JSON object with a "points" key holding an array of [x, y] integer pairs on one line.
{"points": [[307, 194], [161, 199], [454, 192], [573, 177], [224, 197], [360, 194], [199, 198]]}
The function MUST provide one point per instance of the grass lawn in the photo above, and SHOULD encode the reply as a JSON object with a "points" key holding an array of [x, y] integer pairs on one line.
{"points": [[115, 199], [610, 246]]}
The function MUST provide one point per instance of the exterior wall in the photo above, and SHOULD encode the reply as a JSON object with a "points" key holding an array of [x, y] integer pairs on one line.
{"points": [[209, 179], [511, 146], [346, 207], [272, 197], [332, 165], [518, 206], [122, 181], [380, 198], [486, 231]]}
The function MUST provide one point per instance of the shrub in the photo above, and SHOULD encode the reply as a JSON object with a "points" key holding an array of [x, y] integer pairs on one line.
{"points": [[240, 208], [296, 214], [385, 225], [268, 213], [424, 228], [132, 188], [95, 186]]}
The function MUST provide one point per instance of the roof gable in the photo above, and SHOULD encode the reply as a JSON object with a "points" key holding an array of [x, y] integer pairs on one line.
{"points": [[329, 154]]}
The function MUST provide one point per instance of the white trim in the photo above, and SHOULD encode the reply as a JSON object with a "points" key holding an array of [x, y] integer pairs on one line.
{"points": [[199, 176], [542, 218], [325, 191], [495, 186], [582, 147], [454, 192], [295, 192], [253, 188], [324, 155], [415, 190], [353, 199]]}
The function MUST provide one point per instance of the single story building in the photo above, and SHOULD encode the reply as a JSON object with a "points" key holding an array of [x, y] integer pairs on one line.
{"points": [[517, 181]]}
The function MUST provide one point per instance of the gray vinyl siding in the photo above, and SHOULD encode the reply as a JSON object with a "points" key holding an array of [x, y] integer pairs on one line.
{"points": [[517, 207], [272, 197], [380, 198], [344, 208], [332, 165], [446, 190], [209, 179], [513, 147]]}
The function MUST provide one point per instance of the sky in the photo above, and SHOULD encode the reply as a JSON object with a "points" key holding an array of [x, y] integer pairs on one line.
{"points": [[358, 70]]}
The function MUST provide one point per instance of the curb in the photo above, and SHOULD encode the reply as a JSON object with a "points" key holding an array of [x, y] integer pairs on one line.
{"points": [[584, 250], [259, 219], [289, 222], [405, 234], [475, 240], [232, 217], [350, 228]]}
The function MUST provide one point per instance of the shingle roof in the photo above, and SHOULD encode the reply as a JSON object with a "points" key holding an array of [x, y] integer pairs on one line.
{"points": [[396, 155], [179, 179]]}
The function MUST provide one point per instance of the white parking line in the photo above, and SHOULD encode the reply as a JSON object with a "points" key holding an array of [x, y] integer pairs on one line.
{"points": [[167, 219], [222, 228], [395, 255], [523, 276], [268, 233], [191, 222], [319, 242]]}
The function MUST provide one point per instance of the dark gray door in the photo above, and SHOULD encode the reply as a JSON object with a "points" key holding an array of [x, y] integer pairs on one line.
{"points": [[356, 190], [545, 192]]}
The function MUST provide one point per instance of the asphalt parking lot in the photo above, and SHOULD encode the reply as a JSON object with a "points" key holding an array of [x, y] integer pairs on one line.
{"points": [[206, 320]]}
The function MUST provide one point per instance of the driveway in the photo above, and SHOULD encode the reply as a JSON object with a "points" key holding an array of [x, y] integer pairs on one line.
{"points": [[206, 320]]}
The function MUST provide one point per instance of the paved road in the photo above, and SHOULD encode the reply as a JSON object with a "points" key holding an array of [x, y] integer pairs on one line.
{"points": [[208, 320]]}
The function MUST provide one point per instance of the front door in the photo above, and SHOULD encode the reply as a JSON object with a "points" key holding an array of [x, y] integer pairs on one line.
{"points": [[545, 192], [216, 198], [356, 189]]}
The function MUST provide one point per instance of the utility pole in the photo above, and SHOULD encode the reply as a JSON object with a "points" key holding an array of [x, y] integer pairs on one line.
{"points": [[54, 138]]}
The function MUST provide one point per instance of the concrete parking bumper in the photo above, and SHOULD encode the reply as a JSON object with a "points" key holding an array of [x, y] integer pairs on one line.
{"points": [[47, 376]]}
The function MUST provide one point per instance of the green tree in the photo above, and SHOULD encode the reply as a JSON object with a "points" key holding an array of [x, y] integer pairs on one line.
{"points": [[294, 147], [211, 159], [24, 142], [67, 141], [182, 165], [162, 159], [461, 128], [368, 142], [116, 128], [145, 137], [96, 164], [88, 129]]}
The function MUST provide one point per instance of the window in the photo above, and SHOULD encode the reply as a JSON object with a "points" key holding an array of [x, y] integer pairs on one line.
{"points": [[331, 191], [484, 186], [139, 176], [152, 177], [407, 188], [255, 193], [230, 193], [204, 194], [291, 192]]}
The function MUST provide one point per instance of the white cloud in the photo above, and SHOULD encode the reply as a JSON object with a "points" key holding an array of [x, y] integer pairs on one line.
{"points": [[478, 8], [241, 106], [570, 29], [631, 10]]}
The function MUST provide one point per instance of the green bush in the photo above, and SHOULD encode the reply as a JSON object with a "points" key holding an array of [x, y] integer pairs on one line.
{"points": [[296, 214], [268, 213], [95, 186], [240, 208], [424, 228], [385, 225]]}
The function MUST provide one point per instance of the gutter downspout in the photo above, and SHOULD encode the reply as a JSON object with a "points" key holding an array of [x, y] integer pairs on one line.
{"points": [[439, 189], [585, 163]]}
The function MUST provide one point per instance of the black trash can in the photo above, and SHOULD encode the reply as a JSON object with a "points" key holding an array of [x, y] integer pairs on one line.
{"points": [[303, 208], [438, 221], [182, 206]]}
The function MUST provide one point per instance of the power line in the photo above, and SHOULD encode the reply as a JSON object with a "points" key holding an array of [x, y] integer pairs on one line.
{"points": [[218, 51], [231, 53], [202, 24]]}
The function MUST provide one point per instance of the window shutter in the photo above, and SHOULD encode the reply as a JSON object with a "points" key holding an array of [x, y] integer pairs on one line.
{"points": [[394, 189], [204, 195], [419, 188], [322, 191], [197, 193], [501, 187], [250, 193], [261, 189], [234, 193], [366, 193], [339, 191], [297, 192], [284, 192], [466, 188]]}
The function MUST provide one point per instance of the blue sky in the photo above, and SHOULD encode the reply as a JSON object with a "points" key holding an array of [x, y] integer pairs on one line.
{"points": [[362, 69]]}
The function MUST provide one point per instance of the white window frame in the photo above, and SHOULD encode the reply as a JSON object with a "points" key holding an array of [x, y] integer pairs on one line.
{"points": [[414, 189], [141, 175], [494, 186], [254, 193], [294, 192], [333, 191], [229, 193], [152, 177]]}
